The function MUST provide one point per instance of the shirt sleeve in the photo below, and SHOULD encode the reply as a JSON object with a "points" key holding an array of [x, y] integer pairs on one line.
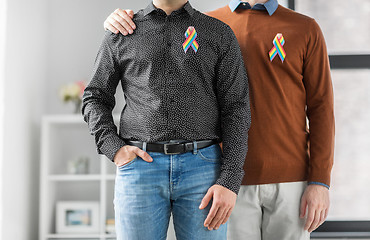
{"points": [[233, 99], [320, 112], [98, 100]]}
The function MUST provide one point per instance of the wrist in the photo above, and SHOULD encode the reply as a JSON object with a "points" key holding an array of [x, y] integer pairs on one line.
{"points": [[120, 153], [319, 184]]}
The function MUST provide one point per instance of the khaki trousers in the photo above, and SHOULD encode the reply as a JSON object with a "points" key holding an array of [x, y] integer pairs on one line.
{"points": [[268, 212]]}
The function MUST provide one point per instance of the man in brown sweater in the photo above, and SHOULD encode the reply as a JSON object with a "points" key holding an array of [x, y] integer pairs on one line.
{"points": [[287, 169]]}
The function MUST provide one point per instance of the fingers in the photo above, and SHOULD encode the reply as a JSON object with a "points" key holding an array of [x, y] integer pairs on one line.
{"points": [[122, 24], [222, 219], [217, 219], [211, 215], [118, 27], [310, 218], [303, 207], [222, 205], [110, 27], [126, 19], [315, 204], [121, 164], [144, 155], [315, 222], [316, 215], [206, 199], [322, 217], [131, 14], [326, 213], [227, 216]]}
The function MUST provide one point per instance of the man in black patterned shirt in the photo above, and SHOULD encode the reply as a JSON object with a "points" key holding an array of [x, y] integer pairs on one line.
{"points": [[186, 90]]}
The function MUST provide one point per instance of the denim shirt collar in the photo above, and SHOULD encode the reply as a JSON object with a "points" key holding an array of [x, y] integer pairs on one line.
{"points": [[269, 6]]}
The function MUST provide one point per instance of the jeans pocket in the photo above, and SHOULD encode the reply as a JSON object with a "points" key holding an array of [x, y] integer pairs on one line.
{"points": [[211, 154], [127, 164]]}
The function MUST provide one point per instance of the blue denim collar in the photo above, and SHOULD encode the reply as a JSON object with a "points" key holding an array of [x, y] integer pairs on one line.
{"points": [[269, 6]]}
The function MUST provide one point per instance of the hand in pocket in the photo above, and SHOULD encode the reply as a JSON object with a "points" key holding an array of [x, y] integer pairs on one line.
{"points": [[128, 153]]}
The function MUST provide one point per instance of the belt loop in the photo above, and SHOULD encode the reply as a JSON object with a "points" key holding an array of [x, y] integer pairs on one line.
{"points": [[144, 146], [195, 147]]}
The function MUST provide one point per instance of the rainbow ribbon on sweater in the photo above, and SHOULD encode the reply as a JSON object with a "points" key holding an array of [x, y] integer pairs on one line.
{"points": [[190, 35], [278, 48]]}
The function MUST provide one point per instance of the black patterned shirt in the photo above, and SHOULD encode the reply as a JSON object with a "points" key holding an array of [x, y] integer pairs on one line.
{"points": [[183, 77]]}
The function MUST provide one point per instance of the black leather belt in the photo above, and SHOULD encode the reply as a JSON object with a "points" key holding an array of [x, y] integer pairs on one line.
{"points": [[171, 147]]}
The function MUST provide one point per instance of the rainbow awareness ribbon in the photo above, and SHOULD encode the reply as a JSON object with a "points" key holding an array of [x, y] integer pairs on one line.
{"points": [[190, 35], [278, 48]]}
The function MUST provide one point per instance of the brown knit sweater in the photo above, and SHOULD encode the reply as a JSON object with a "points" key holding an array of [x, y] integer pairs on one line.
{"points": [[282, 94]]}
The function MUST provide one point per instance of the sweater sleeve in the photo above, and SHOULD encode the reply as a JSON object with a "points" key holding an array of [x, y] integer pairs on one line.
{"points": [[320, 112]]}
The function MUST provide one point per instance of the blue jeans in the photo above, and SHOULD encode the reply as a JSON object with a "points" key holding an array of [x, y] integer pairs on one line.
{"points": [[147, 193]]}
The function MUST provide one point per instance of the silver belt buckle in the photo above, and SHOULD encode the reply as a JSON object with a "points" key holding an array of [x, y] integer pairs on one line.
{"points": [[165, 148]]}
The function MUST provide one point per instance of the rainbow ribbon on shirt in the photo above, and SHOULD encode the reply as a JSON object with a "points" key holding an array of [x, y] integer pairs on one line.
{"points": [[278, 48], [190, 35]]}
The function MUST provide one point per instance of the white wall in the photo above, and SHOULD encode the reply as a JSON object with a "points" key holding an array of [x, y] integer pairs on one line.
{"points": [[24, 104], [2, 74]]}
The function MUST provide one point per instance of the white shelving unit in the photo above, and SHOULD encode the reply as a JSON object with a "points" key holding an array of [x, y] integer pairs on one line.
{"points": [[66, 137]]}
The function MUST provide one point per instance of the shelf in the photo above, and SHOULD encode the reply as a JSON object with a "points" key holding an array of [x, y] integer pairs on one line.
{"points": [[80, 236], [65, 138], [76, 177], [64, 119], [81, 177], [110, 177], [71, 119]]}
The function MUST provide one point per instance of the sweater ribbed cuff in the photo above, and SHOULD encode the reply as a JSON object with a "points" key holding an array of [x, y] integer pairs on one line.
{"points": [[319, 183], [319, 175]]}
